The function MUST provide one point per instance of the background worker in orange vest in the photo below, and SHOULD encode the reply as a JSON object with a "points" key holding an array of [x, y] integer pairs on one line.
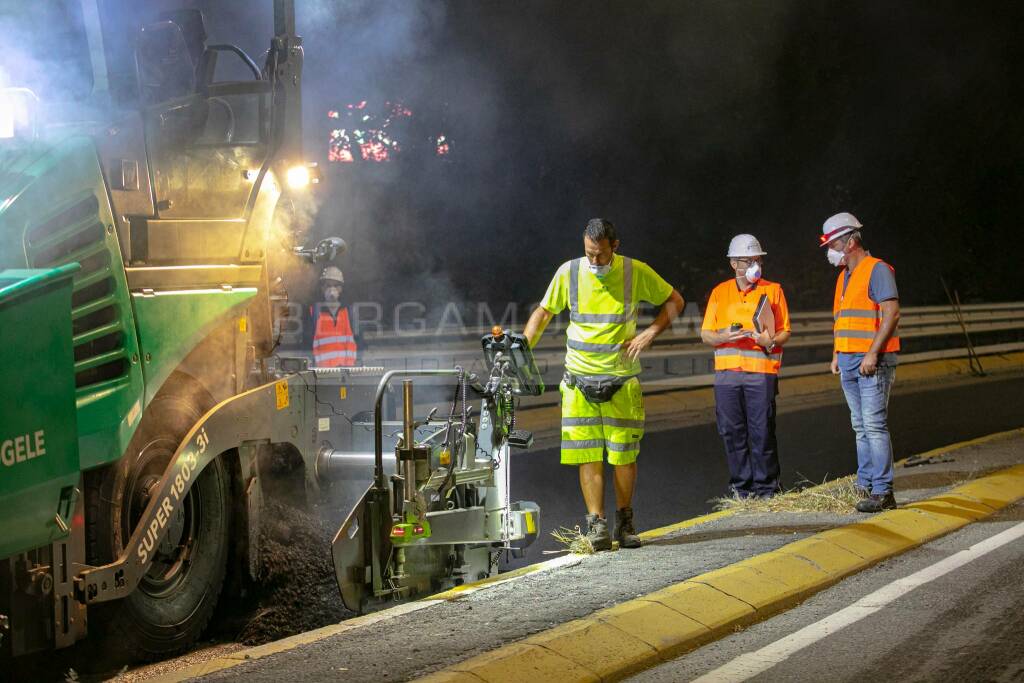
{"points": [[747, 362], [334, 343], [866, 310]]}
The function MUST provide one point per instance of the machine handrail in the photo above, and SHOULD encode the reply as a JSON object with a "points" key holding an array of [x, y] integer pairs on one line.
{"points": [[378, 419]]}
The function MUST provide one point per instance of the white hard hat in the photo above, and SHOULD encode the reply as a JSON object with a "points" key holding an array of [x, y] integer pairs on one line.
{"points": [[332, 274], [745, 245], [837, 226]]}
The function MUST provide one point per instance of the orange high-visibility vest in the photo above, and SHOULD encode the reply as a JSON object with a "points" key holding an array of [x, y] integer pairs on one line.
{"points": [[334, 344], [857, 317], [732, 305]]}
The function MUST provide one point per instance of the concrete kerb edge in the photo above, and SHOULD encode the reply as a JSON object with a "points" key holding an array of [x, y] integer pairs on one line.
{"points": [[285, 644], [771, 589]]}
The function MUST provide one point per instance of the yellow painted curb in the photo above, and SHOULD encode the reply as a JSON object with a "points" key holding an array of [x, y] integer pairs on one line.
{"points": [[666, 623], [523, 662], [949, 510], [792, 571], [743, 583], [669, 632], [867, 541], [828, 557], [705, 605], [597, 646], [916, 525]]}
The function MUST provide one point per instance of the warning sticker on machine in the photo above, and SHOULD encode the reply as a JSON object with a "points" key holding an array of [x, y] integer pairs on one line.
{"points": [[282, 394]]}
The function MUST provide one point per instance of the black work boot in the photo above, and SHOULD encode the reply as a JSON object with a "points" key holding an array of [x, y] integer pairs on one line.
{"points": [[862, 493], [877, 502], [597, 533], [625, 534]]}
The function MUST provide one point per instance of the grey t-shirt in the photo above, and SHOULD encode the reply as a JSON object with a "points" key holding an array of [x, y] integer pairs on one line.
{"points": [[881, 287]]}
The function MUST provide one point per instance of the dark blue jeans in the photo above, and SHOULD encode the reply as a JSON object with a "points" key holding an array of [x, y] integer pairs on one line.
{"points": [[745, 409], [868, 398]]}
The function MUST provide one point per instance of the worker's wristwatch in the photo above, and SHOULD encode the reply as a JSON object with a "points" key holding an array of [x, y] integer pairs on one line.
{"points": [[772, 346]]}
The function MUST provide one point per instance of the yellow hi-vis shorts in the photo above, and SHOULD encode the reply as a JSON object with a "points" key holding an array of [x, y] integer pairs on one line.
{"points": [[590, 429]]}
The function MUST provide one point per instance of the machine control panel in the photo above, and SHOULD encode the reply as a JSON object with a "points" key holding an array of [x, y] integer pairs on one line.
{"points": [[512, 351]]}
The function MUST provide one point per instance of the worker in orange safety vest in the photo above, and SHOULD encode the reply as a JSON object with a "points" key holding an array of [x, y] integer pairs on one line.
{"points": [[747, 321], [334, 343], [866, 311]]}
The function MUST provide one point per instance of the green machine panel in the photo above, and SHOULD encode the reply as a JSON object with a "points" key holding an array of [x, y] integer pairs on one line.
{"points": [[172, 323], [38, 429], [61, 214]]}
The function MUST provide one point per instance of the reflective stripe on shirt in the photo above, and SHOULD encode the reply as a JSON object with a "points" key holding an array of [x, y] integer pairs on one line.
{"points": [[578, 345], [628, 305], [321, 341]]}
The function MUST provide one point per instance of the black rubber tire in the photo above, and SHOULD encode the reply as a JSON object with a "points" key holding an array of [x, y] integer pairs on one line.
{"points": [[172, 605]]}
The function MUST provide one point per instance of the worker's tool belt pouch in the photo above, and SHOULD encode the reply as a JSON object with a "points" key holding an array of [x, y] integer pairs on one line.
{"points": [[596, 388]]}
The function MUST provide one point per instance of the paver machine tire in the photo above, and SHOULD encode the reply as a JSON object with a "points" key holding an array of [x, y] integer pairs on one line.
{"points": [[174, 601]]}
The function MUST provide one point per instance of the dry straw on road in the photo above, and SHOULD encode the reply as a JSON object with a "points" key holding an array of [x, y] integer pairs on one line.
{"points": [[838, 496], [574, 540]]}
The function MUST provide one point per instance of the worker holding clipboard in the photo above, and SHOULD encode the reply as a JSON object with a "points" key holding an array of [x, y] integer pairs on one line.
{"points": [[747, 321]]}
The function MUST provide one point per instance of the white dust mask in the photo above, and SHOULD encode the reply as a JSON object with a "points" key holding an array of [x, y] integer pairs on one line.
{"points": [[836, 258], [601, 271], [753, 272]]}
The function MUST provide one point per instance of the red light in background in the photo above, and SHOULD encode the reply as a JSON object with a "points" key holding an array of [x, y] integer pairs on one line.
{"points": [[442, 147], [371, 130], [373, 151], [340, 154]]}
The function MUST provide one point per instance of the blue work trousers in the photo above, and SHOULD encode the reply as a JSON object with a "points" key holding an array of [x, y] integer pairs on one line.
{"points": [[868, 398], [745, 410]]}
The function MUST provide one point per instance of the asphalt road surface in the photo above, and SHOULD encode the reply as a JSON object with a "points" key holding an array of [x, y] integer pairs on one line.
{"points": [[681, 470], [952, 610]]}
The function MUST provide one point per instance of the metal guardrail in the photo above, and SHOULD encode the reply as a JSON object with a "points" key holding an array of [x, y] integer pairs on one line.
{"points": [[679, 359], [688, 324]]}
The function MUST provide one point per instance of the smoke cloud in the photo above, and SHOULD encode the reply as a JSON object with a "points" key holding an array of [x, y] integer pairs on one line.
{"points": [[685, 123]]}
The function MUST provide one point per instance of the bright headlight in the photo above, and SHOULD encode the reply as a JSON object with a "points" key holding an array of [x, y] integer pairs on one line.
{"points": [[298, 177], [17, 112]]}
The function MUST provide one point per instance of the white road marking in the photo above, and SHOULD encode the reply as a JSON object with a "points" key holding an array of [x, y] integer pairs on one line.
{"points": [[751, 664]]}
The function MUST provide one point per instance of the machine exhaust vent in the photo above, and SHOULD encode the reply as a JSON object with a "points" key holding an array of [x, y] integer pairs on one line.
{"points": [[77, 234]]}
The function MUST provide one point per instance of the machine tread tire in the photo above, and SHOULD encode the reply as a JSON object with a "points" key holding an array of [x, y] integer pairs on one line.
{"points": [[155, 624]]}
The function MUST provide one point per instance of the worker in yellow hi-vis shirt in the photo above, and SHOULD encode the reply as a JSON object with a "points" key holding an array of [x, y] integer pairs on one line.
{"points": [[602, 404]]}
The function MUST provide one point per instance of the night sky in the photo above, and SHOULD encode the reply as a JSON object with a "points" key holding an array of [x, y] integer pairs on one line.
{"points": [[683, 122]]}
